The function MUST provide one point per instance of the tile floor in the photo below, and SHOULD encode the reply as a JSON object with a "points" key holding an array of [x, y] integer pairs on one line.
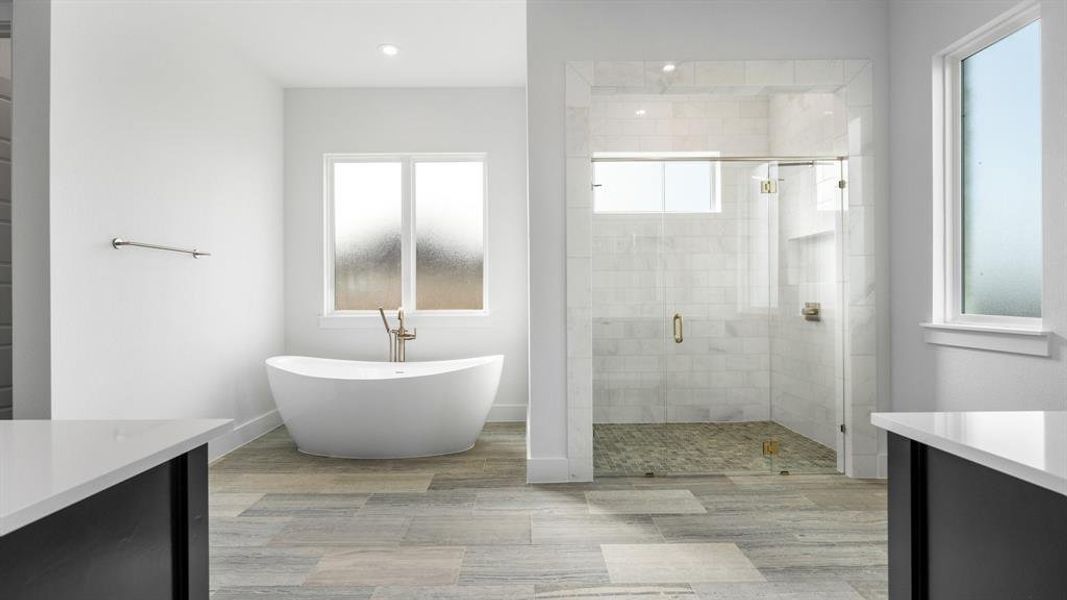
{"points": [[285, 525], [633, 449]]}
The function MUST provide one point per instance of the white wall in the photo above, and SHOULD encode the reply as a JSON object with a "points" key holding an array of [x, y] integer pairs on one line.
{"points": [[489, 120], [583, 30], [927, 377], [162, 135]]}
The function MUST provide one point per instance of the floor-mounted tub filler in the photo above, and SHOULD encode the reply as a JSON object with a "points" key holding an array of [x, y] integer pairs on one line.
{"points": [[361, 409]]}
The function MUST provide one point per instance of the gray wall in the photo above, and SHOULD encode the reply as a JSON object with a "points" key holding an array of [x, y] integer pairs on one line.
{"points": [[31, 269], [490, 120], [924, 376]]}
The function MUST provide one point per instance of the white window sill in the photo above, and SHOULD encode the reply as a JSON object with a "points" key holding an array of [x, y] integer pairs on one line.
{"points": [[437, 320], [1033, 342]]}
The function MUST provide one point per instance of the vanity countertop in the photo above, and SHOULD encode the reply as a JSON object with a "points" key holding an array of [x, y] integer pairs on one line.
{"points": [[46, 466], [1028, 445]]}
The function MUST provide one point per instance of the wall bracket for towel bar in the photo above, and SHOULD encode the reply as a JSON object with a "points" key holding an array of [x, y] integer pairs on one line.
{"points": [[119, 242]]}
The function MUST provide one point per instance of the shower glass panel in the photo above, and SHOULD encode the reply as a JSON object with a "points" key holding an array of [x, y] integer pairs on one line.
{"points": [[719, 271], [627, 288], [717, 326], [807, 325]]}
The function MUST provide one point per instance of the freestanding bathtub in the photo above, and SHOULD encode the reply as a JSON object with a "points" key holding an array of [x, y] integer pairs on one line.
{"points": [[357, 409]]}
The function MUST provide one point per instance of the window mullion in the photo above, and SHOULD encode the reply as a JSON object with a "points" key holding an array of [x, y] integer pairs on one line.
{"points": [[407, 253]]}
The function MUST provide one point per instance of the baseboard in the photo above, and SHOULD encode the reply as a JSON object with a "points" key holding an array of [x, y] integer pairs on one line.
{"points": [[548, 470], [507, 413], [243, 433]]}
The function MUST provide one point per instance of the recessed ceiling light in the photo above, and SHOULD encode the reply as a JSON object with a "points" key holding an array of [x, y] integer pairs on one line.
{"points": [[640, 112], [389, 49], [669, 67]]}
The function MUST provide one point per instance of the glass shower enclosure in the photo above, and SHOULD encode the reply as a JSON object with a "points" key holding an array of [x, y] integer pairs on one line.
{"points": [[717, 314]]}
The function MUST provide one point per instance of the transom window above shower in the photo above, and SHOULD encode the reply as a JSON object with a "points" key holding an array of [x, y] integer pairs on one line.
{"points": [[405, 230], [656, 183]]}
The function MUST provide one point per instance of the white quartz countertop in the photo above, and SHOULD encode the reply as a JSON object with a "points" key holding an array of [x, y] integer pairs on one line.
{"points": [[1031, 446], [46, 466]]}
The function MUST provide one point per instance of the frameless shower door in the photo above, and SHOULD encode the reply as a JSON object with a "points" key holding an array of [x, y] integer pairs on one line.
{"points": [[719, 271], [752, 294], [807, 331]]}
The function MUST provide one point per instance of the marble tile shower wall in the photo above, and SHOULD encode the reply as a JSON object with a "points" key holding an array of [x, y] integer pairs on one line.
{"points": [[734, 126]]}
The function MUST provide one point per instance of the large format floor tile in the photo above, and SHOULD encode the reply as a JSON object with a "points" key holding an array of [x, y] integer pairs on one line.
{"points": [[533, 564], [505, 528], [616, 592], [721, 527], [455, 592], [306, 505], [643, 502], [678, 563], [324, 483], [294, 593], [467, 526], [244, 531], [222, 504], [405, 565], [364, 530], [834, 590], [594, 529], [262, 566], [432, 502], [531, 499]]}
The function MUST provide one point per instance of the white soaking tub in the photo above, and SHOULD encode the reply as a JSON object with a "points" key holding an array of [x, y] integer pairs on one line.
{"points": [[358, 409]]}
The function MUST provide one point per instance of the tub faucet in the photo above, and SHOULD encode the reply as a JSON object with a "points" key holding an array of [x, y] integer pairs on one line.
{"points": [[397, 337]]}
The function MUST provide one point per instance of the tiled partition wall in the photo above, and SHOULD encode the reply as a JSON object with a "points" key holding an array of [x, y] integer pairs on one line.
{"points": [[853, 79]]}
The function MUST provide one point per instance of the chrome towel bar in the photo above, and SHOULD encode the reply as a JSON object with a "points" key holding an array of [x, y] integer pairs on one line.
{"points": [[119, 242]]}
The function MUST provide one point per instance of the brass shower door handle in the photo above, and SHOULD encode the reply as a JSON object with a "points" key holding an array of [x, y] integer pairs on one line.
{"points": [[679, 336]]}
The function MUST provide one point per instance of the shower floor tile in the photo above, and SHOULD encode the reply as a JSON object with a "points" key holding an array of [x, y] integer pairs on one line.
{"points": [[636, 449]]}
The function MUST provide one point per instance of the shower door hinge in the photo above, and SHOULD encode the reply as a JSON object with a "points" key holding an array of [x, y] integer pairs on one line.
{"points": [[842, 184], [842, 427], [768, 186]]}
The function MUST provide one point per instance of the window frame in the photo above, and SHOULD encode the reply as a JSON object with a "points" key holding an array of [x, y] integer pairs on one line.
{"points": [[407, 162], [664, 157], [948, 168]]}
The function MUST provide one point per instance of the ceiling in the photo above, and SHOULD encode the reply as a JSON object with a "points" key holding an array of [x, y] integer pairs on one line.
{"points": [[333, 43]]}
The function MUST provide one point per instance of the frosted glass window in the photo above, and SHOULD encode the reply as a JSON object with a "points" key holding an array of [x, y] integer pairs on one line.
{"points": [[628, 187], [449, 235], [1001, 177], [367, 202], [687, 186], [654, 186]]}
